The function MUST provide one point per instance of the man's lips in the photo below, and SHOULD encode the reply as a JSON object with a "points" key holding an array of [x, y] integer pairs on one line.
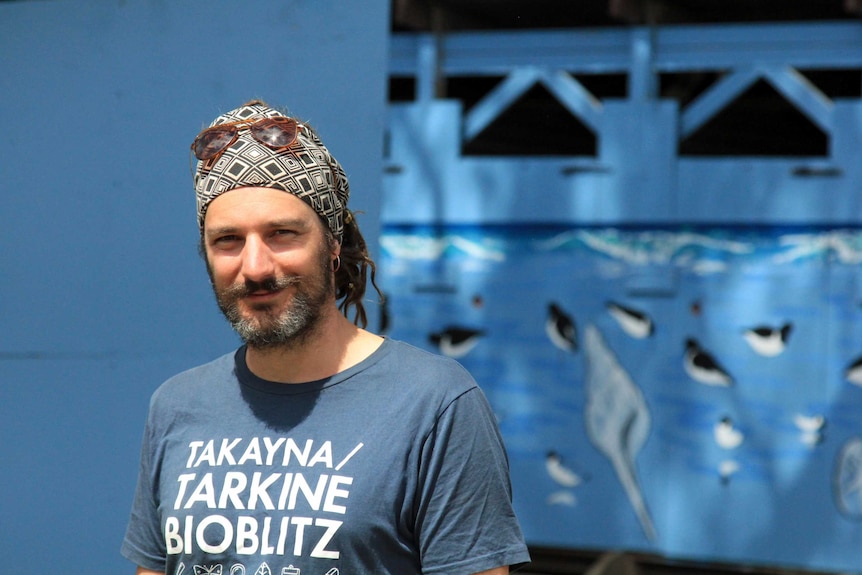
{"points": [[261, 300], [260, 292], [263, 294]]}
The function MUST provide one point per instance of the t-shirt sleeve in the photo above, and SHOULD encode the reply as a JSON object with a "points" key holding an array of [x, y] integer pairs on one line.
{"points": [[465, 522], [143, 543]]}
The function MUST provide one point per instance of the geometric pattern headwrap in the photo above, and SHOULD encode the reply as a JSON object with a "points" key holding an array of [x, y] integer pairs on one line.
{"points": [[306, 169]]}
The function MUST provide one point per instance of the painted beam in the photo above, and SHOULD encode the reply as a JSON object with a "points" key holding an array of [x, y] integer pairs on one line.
{"points": [[643, 82], [500, 98], [800, 45], [803, 94], [716, 98], [428, 70], [800, 92], [674, 49], [568, 91], [496, 54], [577, 99]]}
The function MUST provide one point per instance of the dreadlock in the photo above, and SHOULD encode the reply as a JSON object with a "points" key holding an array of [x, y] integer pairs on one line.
{"points": [[351, 277]]}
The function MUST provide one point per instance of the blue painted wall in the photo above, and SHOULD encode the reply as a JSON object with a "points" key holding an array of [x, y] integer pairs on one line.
{"points": [[648, 454], [102, 294]]}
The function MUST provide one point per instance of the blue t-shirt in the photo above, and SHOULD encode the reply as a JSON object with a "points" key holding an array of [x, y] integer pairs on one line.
{"points": [[394, 466]]}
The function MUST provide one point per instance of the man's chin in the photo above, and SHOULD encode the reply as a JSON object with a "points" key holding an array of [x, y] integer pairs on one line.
{"points": [[257, 310], [257, 319]]}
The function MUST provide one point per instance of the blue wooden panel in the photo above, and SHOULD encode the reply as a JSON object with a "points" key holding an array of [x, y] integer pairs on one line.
{"points": [[637, 175], [103, 294], [427, 181], [638, 143], [847, 142], [758, 191]]}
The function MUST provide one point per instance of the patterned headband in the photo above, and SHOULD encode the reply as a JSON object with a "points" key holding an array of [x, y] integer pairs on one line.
{"points": [[305, 169]]}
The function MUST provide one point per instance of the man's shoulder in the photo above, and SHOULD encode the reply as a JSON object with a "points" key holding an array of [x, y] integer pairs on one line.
{"points": [[410, 357], [424, 369], [206, 376]]}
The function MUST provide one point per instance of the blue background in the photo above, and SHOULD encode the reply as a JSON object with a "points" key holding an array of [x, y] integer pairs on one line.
{"points": [[103, 295]]}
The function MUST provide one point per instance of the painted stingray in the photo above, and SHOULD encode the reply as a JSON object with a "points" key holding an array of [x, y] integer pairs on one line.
{"points": [[847, 478], [617, 418]]}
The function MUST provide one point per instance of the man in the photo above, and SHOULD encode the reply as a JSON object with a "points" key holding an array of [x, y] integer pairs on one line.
{"points": [[317, 448]]}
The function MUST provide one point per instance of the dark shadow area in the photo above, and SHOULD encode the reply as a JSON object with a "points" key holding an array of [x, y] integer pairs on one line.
{"points": [[556, 561], [462, 15], [760, 122], [401, 89], [535, 125]]}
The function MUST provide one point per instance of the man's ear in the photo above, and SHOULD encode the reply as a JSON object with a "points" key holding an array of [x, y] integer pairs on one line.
{"points": [[334, 245]]}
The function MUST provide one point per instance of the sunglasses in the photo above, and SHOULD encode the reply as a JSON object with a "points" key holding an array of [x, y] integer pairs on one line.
{"points": [[276, 133]]}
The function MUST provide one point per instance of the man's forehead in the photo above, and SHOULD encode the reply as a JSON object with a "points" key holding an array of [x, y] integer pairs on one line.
{"points": [[265, 204]]}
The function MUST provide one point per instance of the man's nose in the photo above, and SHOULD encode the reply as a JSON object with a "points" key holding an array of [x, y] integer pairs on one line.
{"points": [[257, 260]]}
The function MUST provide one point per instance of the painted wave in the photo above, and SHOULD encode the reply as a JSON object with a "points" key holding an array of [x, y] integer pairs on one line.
{"points": [[702, 252]]}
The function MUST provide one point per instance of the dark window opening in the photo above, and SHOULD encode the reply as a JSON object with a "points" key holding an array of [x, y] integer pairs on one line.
{"points": [[470, 89], [841, 83], [760, 122], [534, 125], [402, 89], [604, 86], [686, 87]]}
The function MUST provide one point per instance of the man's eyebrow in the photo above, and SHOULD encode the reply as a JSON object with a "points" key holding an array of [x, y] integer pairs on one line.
{"points": [[220, 231], [209, 232], [288, 223], [300, 223]]}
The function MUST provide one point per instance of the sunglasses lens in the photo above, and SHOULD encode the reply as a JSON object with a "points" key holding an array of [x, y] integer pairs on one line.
{"points": [[275, 132], [211, 142]]}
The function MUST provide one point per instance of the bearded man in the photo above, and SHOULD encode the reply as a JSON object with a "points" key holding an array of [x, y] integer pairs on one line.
{"points": [[317, 447]]}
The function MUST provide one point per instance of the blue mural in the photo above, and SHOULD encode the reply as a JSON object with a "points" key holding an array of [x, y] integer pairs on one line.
{"points": [[686, 390]]}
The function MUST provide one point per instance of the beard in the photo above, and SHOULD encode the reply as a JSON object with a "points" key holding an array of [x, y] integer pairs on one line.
{"points": [[268, 327]]}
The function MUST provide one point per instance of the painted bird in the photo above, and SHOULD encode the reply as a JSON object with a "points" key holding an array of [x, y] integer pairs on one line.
{"points": [[559, 472], [768, 341], [853, 373], [726, 435], [455, 341], [635, 323], [563, 497], [727, 469], [811, 428], [702, 367], [560, 328], [809, 423]]}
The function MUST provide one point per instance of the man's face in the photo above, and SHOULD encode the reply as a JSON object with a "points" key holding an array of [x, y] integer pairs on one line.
{"points": [[270, 265]]}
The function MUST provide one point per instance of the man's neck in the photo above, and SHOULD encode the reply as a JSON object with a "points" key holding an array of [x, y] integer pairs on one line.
{"points": [[335, 345]]}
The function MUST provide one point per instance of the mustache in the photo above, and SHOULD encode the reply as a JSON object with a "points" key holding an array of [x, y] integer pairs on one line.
{"points": [[249, 287]]}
